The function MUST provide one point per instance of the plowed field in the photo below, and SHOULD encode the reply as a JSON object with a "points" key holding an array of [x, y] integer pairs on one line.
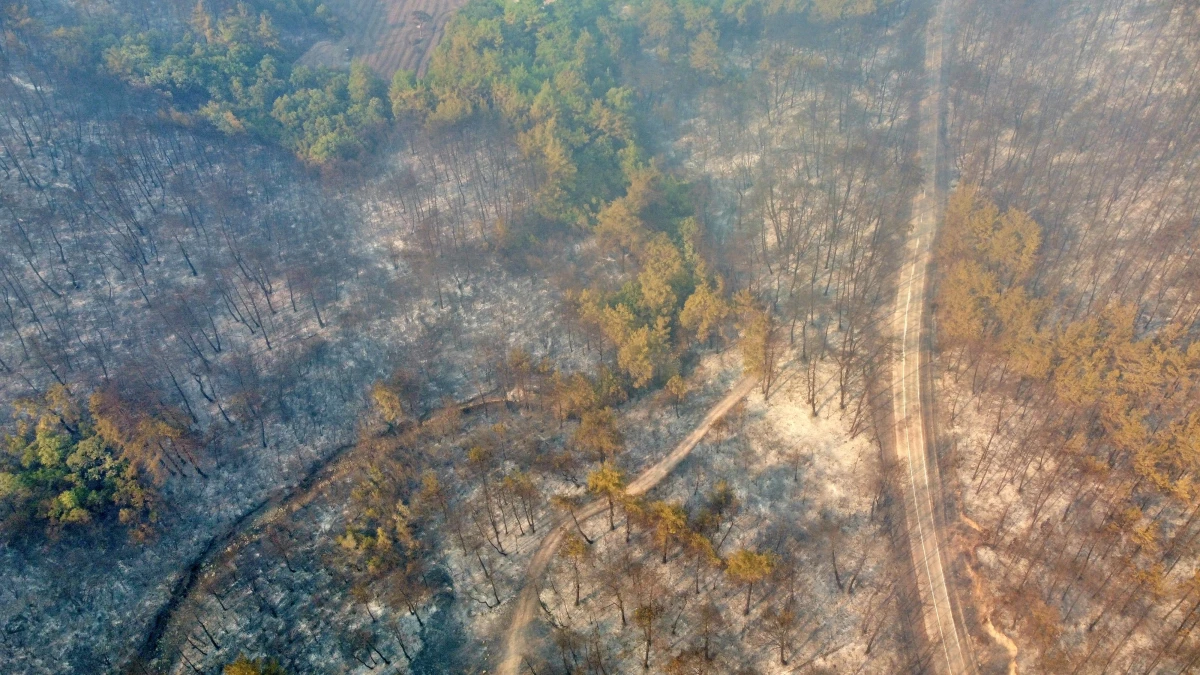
{"points": [[387, 34]]}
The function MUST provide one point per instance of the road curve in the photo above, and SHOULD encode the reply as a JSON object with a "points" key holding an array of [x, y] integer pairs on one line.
{"points": [[527, 600], [951, 653]]}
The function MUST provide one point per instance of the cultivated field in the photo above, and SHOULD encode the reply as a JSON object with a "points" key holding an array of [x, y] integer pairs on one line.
{"points": [[387, 34]]}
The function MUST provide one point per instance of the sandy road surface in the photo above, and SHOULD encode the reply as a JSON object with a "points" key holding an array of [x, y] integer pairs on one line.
{"points": [[951, 653], [527, 600]]}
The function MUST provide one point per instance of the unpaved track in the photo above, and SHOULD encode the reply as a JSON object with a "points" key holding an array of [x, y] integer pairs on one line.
{"points": [[951, 652], [527, 601]]}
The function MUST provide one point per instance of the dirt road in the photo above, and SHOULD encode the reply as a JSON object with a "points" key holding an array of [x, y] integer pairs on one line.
{"points": [[951, 653], [527, 601]]}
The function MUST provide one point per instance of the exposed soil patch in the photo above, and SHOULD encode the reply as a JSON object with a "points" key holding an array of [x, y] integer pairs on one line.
{"points": [[388, 34]]}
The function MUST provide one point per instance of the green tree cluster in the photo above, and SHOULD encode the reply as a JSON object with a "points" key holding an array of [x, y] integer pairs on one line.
{"points": [[748, 567], [689, 32], [984, 301], [232, 69], [760, 344], [59, 468], [1122, 401], [669, 298], [1105, 403], [246, 666], [551, 72], [382, 530]]}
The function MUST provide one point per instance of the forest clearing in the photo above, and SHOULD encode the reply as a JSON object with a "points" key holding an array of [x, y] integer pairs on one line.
{"points": [[388, 35]]}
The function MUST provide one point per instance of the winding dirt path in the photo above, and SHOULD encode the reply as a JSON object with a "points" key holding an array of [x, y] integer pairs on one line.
{"points": [[515, 644]]}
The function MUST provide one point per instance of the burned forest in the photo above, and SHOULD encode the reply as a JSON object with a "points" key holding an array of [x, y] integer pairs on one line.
{"points": [[591, 337]]}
